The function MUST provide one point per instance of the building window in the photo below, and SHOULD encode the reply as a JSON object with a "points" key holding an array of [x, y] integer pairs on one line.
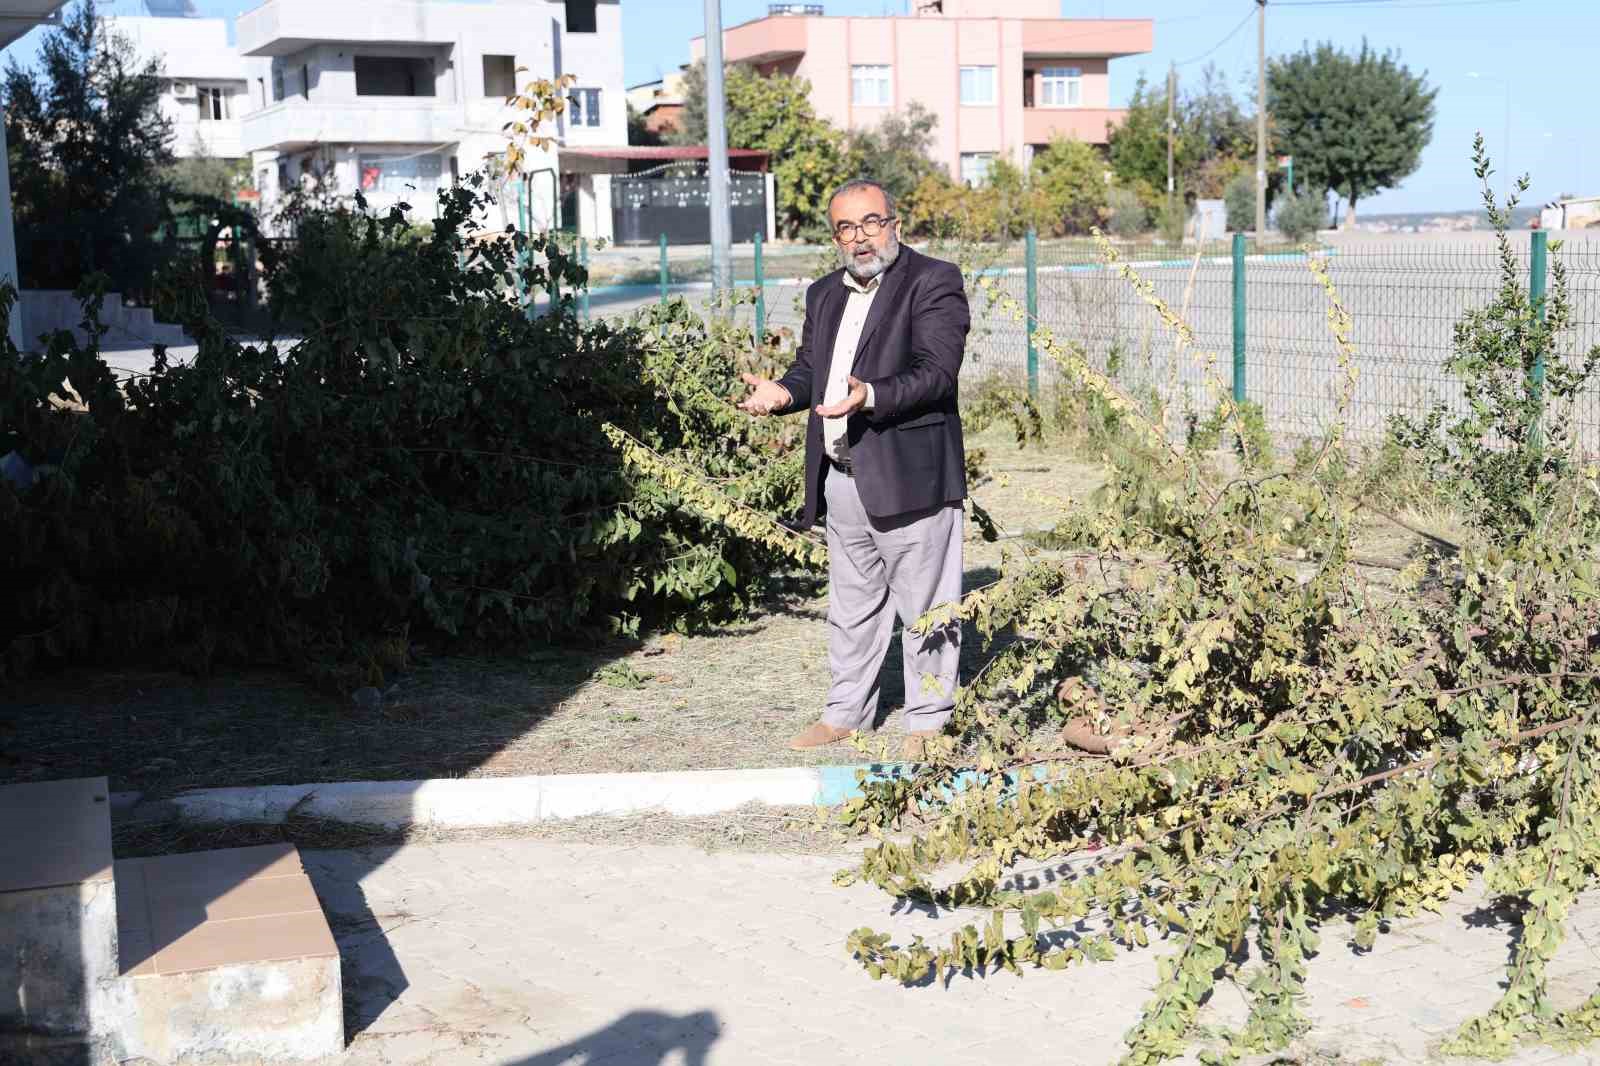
{"points": [[975, 167], [215, 103], [581, 17], [584, 107], [500, 76], [399, 175], [1061, 87], [394, 76], [277, 84], [869, 87], [305, 81], [977, 86]]}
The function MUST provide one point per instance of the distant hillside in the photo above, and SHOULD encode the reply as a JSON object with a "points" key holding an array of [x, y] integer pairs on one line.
{"points": [[1440, 220]]}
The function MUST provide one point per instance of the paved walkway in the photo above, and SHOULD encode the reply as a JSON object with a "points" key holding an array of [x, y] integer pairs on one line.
{"points": [[538, 953]]}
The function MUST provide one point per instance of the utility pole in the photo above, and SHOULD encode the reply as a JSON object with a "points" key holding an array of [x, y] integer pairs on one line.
{"points": [[1261, 119], [1172, 126], [717, 152]]}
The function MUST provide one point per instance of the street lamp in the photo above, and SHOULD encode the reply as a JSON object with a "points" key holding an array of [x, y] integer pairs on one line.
{"points": [[1505, 167]]}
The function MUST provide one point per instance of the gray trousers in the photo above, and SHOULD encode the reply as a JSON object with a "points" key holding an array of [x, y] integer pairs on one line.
{"points": [[878, 568]]}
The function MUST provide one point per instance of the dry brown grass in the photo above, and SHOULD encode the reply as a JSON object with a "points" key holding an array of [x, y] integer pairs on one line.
{"points": [[727, 698], [723, 699]]}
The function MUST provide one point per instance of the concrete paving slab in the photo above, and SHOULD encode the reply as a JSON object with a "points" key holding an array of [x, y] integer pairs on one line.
{"points": [[572, 968], [55, 833]]}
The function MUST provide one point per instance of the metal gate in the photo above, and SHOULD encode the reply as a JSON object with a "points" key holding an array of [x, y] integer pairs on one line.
{"points": [[678, 203]]}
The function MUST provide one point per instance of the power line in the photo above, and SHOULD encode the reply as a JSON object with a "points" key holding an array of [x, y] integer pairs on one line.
{"points": [[1231, 35]]}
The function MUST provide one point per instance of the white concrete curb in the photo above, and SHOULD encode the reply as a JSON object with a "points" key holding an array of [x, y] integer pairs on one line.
{"points": [[486, 802]]}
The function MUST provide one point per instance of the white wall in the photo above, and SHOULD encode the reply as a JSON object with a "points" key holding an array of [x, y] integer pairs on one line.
{"points": [[595, 59], [459, 120], [195, 51]]}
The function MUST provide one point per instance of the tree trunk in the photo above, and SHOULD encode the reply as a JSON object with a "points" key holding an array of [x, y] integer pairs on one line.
{"points": [[1350, 216]]}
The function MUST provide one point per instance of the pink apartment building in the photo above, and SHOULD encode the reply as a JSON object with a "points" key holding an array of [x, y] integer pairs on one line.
{"points": [[1003, 76]]}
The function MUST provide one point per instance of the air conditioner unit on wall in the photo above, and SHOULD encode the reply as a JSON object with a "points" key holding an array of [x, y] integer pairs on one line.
{"points": [[183, 89]]}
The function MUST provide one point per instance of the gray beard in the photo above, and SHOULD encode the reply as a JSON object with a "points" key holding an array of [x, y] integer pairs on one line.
{"points": [[874, 266]]}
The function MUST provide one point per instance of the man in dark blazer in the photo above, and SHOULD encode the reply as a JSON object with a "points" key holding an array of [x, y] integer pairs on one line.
{"points": [[879, 358]]}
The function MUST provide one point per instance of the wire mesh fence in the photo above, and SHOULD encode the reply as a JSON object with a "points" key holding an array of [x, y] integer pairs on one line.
{"points": [[1405, 293]]}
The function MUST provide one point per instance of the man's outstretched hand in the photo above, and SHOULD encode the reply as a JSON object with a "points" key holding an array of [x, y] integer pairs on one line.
{"points": [[765, 396], [853, 401]]}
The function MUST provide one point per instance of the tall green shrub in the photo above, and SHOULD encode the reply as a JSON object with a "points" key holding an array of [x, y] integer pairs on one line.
{"points": [[1299, 216], [89, 149], [1127, 214], [1070, 180], [427, 457], [1239, 199], [808, 155]]}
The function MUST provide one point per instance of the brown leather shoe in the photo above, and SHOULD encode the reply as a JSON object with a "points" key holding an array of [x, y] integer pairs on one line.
{"points": [[916, 744], [819, 733]]}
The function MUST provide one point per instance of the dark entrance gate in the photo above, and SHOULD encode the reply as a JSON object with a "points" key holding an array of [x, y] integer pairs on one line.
{"points": [[677, 201]]}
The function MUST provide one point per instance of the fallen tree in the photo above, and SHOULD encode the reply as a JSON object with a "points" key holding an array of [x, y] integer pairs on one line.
{"points": [[1286, 747]]}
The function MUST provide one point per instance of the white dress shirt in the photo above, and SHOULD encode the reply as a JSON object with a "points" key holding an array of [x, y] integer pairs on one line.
{"points": [[835, 441]]}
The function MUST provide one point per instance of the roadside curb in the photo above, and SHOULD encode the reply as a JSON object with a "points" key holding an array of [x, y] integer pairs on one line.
{"points": [[491, 802]]}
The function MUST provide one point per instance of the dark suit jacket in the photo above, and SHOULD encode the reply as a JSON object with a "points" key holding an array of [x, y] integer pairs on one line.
{"points": [[906, 452]]}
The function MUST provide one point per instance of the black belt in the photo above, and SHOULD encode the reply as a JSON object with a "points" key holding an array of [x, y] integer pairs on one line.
{"points": [[845, 468]]}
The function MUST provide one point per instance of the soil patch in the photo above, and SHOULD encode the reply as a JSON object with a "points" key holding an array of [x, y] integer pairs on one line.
{"points": [[730, 698], [723, 699]]}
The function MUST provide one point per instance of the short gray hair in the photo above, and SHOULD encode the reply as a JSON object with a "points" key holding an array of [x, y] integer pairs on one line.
{"points": [[863, 183]]}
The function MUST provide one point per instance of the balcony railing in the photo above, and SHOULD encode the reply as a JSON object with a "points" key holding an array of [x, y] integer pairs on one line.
{"points": [[392, 120]]}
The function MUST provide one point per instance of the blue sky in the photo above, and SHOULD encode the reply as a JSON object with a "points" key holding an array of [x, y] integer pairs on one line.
{"points": [[1545, 50]]}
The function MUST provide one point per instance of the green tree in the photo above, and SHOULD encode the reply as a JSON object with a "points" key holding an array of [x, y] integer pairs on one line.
{"points": [[1300, 215], [808, 155], [203, 174], [898, 152], [1069, 178], [1214, 139], [1239, 199], [1213, 122], [1354, 124], [1138, 145], [88, 147], [1127, 216], [1015, 205], [638, 132]]}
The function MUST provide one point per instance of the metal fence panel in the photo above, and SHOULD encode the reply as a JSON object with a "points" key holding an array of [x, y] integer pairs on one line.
{"points": [[1405, 293]]}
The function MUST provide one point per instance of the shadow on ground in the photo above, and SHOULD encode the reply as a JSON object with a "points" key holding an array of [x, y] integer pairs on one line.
{"points": [[160, 733], [638, 1038]]}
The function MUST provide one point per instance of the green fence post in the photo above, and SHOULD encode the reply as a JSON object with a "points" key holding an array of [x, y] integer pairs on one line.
{"points": [[522, 249], [663, 268], [761, 297], [1538, 267], [1031, 259], [583, 293], [1238, 318]]}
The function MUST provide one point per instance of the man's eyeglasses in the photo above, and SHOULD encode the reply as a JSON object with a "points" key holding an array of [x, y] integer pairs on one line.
{"points": [[871, 226]]}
